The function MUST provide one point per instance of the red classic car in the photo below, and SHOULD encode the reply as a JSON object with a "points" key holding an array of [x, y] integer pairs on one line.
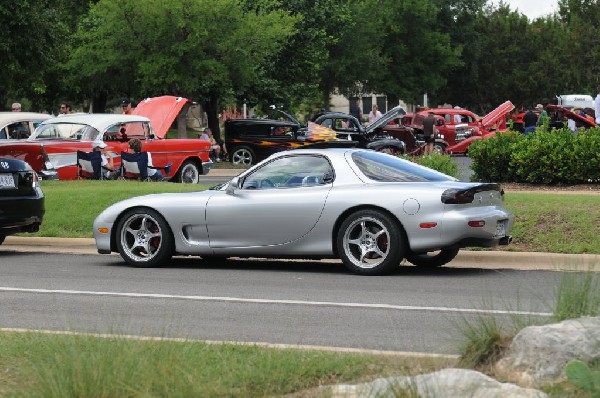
{"points": [[456, 131], [52, 148], [562, 115]]}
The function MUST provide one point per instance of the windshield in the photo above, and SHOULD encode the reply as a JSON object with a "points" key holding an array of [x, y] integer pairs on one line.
{"points": [[385, 168], [68, 131]]}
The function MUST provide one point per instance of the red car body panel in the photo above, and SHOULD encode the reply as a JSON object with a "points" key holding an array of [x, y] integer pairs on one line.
{"points": [[61, 153]]}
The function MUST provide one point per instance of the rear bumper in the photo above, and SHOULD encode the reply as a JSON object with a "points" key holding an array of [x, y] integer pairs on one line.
{"points": [[21, 214]]}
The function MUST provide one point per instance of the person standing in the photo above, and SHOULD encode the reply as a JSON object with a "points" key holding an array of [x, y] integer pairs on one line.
{"points": [[374, 114], [355, 110], [529, 121], [597, 106], [126, 105], [543, 114], [429, 132], [16, 107], [65, 109]]}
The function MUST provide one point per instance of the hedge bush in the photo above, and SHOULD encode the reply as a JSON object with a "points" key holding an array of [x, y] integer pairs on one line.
{"points": [[441, 163], [548, 156]]}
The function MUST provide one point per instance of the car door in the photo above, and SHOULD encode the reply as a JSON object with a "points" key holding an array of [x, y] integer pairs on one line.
{"points": [[276, 204]]}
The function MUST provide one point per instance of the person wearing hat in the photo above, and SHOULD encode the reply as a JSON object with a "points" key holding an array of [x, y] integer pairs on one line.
{"points": [[107, 160], [543, 114], [126, 105]]}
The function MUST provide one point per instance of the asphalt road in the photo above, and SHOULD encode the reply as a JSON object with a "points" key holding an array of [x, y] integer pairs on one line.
{"points": [[278, 302]]}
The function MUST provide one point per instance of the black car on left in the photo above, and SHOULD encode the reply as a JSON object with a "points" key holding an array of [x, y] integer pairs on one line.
{"points": [[21, 198]]}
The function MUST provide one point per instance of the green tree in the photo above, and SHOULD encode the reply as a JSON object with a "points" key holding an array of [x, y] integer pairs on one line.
{"points": [[418, 52], [202, 49]]}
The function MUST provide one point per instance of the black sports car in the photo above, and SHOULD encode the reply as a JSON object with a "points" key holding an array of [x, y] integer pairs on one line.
{"points": [[21, 198]]}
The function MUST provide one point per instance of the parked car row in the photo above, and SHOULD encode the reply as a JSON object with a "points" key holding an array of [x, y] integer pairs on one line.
{"points": [[51, 149]]}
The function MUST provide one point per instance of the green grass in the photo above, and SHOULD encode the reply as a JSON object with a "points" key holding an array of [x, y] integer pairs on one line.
{"points": [[42, 365], [72, 206], [556, 223]]}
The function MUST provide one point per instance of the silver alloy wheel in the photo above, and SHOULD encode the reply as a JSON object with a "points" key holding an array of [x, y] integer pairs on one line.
{"points": [[439, 148], [190, 173], [141, 237], [366, 242], [242, 156]]}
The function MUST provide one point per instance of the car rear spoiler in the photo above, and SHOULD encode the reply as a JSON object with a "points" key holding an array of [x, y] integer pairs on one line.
{"points": [[455, 196]]}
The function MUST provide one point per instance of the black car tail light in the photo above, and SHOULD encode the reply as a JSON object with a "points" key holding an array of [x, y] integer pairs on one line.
{"points": [[456, 196]]}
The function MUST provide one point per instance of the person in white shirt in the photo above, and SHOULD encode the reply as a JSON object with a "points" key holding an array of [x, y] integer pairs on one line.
{"points": [[374, 114], [457, 117], [107, 160], [597, 106], [155, 175]]}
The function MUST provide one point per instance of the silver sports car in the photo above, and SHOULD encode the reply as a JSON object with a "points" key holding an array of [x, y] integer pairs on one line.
{"points": [[370, 209]]}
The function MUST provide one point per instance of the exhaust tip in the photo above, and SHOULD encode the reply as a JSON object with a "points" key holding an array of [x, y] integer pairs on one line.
{"points": [[505, 240]]}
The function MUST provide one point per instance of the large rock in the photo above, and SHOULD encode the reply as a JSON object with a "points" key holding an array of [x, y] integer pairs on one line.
{"points": [[446, 383], [539, 354]]}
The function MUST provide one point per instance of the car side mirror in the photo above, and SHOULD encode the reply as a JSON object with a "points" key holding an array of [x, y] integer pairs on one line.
{"points": [[233, 184]]}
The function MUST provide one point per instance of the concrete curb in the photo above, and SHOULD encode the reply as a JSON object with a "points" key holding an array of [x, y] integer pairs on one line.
{"points": [[466, 258], [224, 172]]}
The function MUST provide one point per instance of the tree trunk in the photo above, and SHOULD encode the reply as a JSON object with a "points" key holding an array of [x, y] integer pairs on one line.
{"points": [[99, 103], [182, 121], [211, 107]]}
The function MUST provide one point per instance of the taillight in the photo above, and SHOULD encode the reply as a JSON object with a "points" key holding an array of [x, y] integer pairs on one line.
{"points": [[35, 180], [476, 223]]}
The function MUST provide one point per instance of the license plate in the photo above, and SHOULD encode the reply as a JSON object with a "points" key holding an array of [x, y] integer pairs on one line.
{"points": [[500, 229], [7, 181]]}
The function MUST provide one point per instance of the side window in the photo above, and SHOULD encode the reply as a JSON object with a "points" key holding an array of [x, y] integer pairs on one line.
{"points": [[291, 172], [447, 118], [18, 130], [327, 123]]}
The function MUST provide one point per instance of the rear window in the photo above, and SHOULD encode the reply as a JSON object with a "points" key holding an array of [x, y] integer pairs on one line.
{"points": [[386, 168]]}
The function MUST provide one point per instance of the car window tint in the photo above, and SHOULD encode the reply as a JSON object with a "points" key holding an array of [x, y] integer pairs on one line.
{"points": [[385, 168], [289, 172]]}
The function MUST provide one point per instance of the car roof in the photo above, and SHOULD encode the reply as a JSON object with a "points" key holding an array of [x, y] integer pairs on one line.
{"points": [[99, 121], [9, 117]]}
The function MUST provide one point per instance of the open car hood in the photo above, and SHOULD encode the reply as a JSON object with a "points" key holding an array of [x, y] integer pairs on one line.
{"points": [[161, 111], [494, 116], [385, 119], [571, 115]]}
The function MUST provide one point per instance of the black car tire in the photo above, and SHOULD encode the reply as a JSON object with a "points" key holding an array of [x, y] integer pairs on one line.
{"points": [[188, 173], [439, 148], [2, 237], [243, 155], [370, 242], [426, 260], [144, 238]]}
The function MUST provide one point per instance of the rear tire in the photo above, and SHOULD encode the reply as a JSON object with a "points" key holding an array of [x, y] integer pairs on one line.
{"points": [[243, 155], [370, 242], [144, 238], [438, 259]]}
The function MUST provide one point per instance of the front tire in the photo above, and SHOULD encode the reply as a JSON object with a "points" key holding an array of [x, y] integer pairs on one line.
{"points": [[243, 155], [370, 242], [144, 238], [439, 148], [189, 173], [438, 259]]}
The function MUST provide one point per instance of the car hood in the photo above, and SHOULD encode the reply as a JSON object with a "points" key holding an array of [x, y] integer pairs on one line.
{"points": [[161, 111], [571, 115], [385, 119], [494, 116]]}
